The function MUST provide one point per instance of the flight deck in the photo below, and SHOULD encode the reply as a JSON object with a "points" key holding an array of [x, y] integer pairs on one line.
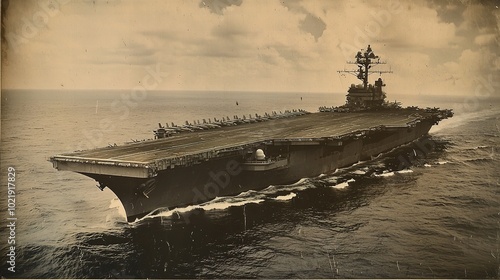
{"points": [[144, 159]]}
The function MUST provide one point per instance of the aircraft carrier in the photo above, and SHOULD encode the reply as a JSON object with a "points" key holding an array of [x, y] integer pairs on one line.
{"points": [[196, 162]]}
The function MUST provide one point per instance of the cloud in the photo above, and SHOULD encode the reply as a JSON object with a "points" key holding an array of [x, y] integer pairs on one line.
{"points": [[290, 45], [218, 6], [486, 39], [479, 16]]}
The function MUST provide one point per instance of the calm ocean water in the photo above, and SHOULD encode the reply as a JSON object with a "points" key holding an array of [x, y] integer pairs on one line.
{"points": [[407, 214]]}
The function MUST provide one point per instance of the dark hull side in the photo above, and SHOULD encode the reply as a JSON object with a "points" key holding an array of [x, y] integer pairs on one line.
{"points": [[223, 177]]}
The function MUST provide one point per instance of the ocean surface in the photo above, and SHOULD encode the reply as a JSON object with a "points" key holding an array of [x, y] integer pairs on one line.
{"points": [[413, 213]]}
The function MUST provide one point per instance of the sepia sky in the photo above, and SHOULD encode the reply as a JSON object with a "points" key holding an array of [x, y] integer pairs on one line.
{"points": [[433, 47]]}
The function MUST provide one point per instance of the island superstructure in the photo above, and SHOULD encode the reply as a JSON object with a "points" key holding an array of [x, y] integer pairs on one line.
{"points": [[196, 162], [366, 95]]}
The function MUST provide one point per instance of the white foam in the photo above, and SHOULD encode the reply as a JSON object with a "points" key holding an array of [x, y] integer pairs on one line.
{"points": [[331, 179], [211, 205], [270, 188], [392, 173], [225, 205], [286, 197], [478, 147], [427, 165], [358, 163], [116, 203], [247, 193], [385, 174], [442, 162], [297, 186], [300, 182], [359, 172], [343, 185]]}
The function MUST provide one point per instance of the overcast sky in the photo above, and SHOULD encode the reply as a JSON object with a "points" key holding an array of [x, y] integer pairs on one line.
{"points": [[433, 47]]}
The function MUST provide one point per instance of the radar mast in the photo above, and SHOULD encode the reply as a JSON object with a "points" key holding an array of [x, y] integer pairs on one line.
{"points": [[365, 95]]}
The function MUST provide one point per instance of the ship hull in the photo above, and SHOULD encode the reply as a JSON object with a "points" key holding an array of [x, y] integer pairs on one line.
{"points": [[191, 185]]}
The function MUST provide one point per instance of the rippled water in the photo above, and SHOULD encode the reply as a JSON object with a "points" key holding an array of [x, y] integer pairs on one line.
{"points": [[412, 213]]}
